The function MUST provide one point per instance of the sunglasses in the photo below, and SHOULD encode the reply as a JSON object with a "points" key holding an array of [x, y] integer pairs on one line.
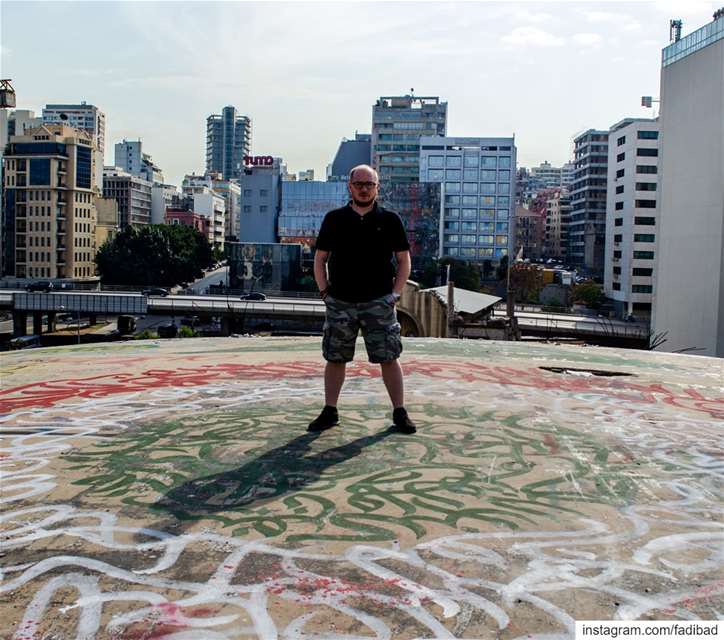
{"points": [[364, 185]]}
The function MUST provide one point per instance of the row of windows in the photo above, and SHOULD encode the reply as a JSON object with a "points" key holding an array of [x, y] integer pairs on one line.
{"points": [[438, 175], [485, 253], [474, 214], [641, 135], [453, 238], [262, 208], [644, 237], [468, 162], [263, 193], [488, 188], [474, 227], [484, 201]]}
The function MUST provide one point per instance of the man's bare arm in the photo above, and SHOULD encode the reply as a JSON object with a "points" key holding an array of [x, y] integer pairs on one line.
{"points": [[320, 270], [404, 266]]}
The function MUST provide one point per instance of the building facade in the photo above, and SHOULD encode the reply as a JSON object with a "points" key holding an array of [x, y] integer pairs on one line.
{"points": [[129, 156], [688, 303], [85, 117], [558, 212], [350, 154], [228, 140], [49, 214], [398, 123], [260, 186], [587, 228], [162, 197], [132, 193], [548, 175], [303, 207], [631, 215], [478, 192], [264, 266]]}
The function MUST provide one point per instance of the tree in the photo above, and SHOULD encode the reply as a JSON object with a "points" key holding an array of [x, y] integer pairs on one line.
{"points": [[154, 255], [527, 281], [588, 293], [502, 271], [464, 274]]}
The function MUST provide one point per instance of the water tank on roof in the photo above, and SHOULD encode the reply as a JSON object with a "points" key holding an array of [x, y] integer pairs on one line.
{"points": [[7, 95]]}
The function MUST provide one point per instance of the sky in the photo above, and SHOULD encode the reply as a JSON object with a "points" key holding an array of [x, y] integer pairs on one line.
{"points": [[308, 73]]}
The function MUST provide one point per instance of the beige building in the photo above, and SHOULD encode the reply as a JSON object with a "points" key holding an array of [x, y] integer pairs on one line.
{"points": [[558, 211], [49, 222], [108, 220]]}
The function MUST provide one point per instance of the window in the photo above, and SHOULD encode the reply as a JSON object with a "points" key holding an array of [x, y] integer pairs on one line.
{"points": [[638, 271], [452, 187], [618, 238], [489, 161], [621, 140], [470, 200], [435, 175], [468, 239], [453, 162], [621, 157], [452, 213], [648, 135], [487, 174], [617, 271], [646, 204], [502, 214], [486, 239], [486, 227], [617, 286], [501, 240], [471, 160], [503, 176], [645, 186], [641, 288], [470, 187], [467, 252], [485, 252], [453, 251], [452, 226], [452, 199], [470, 214], [470, 174], [646, 168], [620, 173], [452, 174], [503, 201], [263, 208], [643, 255], [469, 226], [487, 187], [645, 221], [619, 189], [487, 214], [647, 153], [618, 222], [504, 162], [263, 193], [616, 255], [435, 162], [644, 237], [453, 238], [501, 227], [619, 206], [247, 193]]}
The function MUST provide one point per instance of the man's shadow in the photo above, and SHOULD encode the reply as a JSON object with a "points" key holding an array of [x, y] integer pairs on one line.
{"points": [[275, 473]]}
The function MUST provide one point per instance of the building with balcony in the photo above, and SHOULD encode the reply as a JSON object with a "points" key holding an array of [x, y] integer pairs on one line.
{"points": [[132, 193], [228, 140], [688, 301], [587, 228], [398, 123], [477, 178], [49, 213], [85, 117], [631, 215]]}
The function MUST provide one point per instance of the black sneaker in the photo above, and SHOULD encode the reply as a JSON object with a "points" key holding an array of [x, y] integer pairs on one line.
{"points": [[402, 421], [326, 420]]}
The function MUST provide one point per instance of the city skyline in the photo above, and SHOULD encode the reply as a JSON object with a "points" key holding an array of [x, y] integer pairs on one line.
{"points": [[542, 71]]}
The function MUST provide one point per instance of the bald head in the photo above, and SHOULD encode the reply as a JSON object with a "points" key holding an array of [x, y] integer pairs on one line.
{"points": [[363, 173]]}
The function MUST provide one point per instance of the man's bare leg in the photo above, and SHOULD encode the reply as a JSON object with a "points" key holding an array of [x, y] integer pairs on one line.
{"points": [[334, 374], [392, 377]]}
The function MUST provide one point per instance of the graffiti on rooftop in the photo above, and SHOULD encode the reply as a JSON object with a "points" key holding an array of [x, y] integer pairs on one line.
{"points": [[150, 493]]}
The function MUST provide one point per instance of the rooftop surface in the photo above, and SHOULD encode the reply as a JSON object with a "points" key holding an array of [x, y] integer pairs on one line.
{"points": [[169, 489]]}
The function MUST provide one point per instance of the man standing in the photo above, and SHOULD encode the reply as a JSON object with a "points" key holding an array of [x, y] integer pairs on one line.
{"points": [[357, 243]]}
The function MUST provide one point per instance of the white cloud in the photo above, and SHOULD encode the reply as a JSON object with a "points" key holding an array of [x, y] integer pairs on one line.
{"points": [[523, 15], [632, 26], [532, 36], [601, 16], [588, 39]]}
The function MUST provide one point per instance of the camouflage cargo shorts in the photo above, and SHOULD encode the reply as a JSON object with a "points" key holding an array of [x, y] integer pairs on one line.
{"points": [[378, 321]]}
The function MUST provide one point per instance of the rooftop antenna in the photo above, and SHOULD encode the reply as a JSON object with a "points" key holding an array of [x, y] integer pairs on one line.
{"points": [[675, 30]]}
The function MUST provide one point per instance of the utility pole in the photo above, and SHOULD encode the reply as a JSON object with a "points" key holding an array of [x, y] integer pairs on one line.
{"points": [[450, 304]]}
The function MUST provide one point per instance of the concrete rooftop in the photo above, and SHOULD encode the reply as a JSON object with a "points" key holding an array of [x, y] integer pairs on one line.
{"points": [[168, 489]]}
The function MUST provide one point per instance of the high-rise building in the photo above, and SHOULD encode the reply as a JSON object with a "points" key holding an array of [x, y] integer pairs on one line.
{"points": [[132, 193], [205, 201], [129, 156], [163, 196], [587, 228], [548, 175], [398, 123], [49, 213], [631, 215], [303, 207], [260, 185], [350, 154], [85, 117], [558, 211], [688, 303], [478, 190], [567, 172], [228, 140]]}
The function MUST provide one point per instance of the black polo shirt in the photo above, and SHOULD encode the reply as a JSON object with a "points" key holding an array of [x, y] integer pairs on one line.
{"points": [[361, 251]]}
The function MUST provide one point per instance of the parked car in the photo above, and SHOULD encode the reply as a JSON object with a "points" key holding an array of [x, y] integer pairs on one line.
{"points": [[155, 291], [40, 285], [253, 296]]}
